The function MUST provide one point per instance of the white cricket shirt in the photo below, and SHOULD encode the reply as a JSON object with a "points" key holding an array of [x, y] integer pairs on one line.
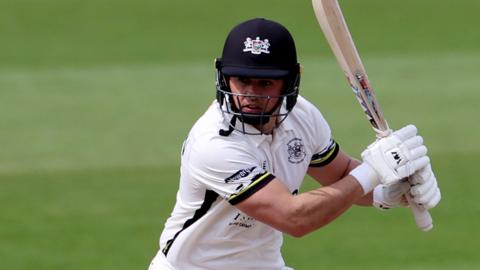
{"points": [[205, 230]]}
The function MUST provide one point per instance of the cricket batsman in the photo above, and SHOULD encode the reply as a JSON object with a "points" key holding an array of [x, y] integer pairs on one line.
{"points": [[245, 159]]}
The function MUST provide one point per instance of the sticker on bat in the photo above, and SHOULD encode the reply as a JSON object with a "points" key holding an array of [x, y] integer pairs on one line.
{"points": [[368, 92], [364, 106]]}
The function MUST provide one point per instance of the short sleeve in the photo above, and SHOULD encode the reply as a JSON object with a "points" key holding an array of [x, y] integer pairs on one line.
{"points": [[324, 147], [325, 156], [228, 167]]}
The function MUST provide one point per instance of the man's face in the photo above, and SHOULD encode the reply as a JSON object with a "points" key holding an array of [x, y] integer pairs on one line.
{"points": [[256, 95]]}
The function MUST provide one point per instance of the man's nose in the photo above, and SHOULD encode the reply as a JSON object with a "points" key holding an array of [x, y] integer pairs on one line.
{"points": [[253, 89], [251, 94]]}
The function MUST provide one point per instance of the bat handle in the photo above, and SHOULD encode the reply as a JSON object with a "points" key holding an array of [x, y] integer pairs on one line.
{"points": [[422, 216]]}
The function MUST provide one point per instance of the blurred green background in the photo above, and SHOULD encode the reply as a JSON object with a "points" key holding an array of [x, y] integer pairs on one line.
{"points": [[96, 98]]}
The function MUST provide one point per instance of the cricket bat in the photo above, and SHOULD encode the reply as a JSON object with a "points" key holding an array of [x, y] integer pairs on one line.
{"points": [[332, 22]]}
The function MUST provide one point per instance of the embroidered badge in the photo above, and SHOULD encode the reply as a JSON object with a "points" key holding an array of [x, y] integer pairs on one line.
{"points": [[256, 46], [296, 150]]}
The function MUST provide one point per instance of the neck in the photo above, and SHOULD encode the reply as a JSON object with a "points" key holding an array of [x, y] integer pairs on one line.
{"points": [[267, 128]]}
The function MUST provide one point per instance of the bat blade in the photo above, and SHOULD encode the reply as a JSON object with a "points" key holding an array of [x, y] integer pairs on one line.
{"points": [[331, 20]]}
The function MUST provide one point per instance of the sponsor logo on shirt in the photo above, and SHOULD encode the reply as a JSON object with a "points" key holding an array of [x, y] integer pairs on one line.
{"points": [[240, 174], [242, 221]]}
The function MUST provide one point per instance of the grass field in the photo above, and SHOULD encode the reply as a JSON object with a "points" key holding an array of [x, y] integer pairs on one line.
{"points": [[96, 98]]}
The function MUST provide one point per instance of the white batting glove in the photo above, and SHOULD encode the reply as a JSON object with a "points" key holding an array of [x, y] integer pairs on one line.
{"points": [[424, 190], [392, 158], [386, 197]]}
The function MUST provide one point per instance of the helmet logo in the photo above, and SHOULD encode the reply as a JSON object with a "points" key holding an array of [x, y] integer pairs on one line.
{"points": [[256, 46]]}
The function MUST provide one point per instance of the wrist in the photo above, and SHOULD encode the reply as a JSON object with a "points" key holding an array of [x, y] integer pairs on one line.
{"points": [[366, 177]]}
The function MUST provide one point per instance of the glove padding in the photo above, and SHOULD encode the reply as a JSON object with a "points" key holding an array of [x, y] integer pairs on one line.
{"points": [[397, 156], [424, 190], [386, 197]]}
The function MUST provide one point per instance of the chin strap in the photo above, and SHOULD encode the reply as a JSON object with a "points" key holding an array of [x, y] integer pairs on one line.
{"points": [[226, 133]]}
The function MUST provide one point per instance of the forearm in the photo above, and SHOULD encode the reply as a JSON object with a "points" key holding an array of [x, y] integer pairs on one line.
{"points": [[317, 208], [303, 213]]}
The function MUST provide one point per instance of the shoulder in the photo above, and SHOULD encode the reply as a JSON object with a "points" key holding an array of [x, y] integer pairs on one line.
{"points": [[223, 164], [211, 120], [307, 116], [307, 120], [215, 148], [307, 110], [208, 152]]}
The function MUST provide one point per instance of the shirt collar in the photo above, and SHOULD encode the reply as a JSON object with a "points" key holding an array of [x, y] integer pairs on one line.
{"points": [[279, 132]]}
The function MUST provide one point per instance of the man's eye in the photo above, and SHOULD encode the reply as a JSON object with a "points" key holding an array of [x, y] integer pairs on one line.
{"points": [[265, 83], [243, 80]]}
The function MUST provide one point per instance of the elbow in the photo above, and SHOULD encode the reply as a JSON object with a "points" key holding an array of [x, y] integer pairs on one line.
{"points": [[301, 223], [300, 229], [297, 233]]}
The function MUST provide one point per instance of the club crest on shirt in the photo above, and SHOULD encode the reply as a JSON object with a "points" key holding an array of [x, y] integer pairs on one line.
{"points": [[296, 150]]}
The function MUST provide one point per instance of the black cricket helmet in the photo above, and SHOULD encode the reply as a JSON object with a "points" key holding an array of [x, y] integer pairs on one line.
{"points": [[258, 48]]}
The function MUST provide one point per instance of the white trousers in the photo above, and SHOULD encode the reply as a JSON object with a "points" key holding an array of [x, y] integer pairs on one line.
{"points": [[161, 263]]}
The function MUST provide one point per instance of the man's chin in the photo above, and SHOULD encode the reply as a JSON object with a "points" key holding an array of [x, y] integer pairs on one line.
{"points": [[254, 120]]}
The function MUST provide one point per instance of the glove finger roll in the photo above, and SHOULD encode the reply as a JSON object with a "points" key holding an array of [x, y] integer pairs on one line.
{"points": [[434, 201], [414, 142], [426, 197], [413, 166], [418, 152], [422, 176], [406, 132], [421, 189]]}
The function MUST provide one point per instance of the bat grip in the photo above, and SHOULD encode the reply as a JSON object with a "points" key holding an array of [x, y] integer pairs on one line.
{"points": [[422, 216]]}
